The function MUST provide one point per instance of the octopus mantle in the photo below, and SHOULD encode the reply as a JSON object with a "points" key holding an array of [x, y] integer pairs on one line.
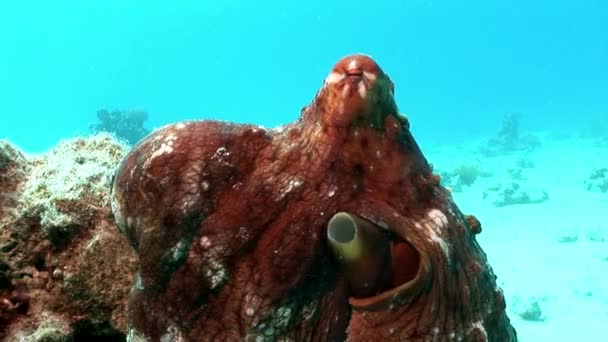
{"points": [[331, 228]]}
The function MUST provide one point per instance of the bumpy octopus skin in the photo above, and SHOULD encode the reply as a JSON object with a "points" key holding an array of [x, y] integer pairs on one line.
{"points": [[230, 223]]}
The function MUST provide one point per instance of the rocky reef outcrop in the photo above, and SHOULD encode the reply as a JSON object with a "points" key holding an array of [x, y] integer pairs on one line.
{"points": [[598, 180], [125, 124], [65, 271], [509, 139]]}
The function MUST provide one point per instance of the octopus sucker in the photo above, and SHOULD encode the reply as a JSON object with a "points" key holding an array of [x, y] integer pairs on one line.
{"points": [[331, 228]]}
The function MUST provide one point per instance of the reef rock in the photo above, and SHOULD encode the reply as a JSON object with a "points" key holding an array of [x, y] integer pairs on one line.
{"points": [[65, 270], [598, 180], [514, 193], [509, 139]]}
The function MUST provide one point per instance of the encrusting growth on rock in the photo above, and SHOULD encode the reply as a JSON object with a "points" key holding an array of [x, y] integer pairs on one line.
{"points": [[64, 269]]}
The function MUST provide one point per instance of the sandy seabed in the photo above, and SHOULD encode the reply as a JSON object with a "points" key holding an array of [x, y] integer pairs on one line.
{"points": [[551, 258]]}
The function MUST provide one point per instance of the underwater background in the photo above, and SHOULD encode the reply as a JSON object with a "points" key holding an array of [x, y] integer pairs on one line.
{"points": [[509, 101]]}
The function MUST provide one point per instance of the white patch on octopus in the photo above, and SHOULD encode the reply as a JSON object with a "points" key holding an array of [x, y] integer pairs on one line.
{"points": [[188, 204], [292, 184], [134, 336], [284, 315], [93, 241], [332, 191], [243, 234], [252, 303], [220, 153], [445, 246], [479, 326], [192, 189], [205, 185], [130, 221], [258, 128], [132, 172], [180, 125], [370, 76], [291, 144], [279, 129], [179, 250], [334, 77], [382, 224], [362, 90], [438, 217], [165, 148], [169, 138], [173, 334], [316, 133], [434, 226], [353, 64], [309, 311], [216, 273], [139, 283], [205, 242]]}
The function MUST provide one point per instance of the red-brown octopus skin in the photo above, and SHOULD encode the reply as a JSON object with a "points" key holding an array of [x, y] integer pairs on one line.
{"points": [[229, 222]]}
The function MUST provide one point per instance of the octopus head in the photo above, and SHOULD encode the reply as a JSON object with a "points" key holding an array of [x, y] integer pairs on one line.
{"points": [[356, 92]]}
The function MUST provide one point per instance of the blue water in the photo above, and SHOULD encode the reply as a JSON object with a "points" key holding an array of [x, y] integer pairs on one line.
{"points": [[458, 66]]}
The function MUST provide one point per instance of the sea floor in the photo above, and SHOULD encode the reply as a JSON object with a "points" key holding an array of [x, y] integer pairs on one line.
{"points": [[551, 258]]}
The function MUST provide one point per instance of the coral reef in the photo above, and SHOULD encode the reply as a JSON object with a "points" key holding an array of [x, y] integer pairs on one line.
{"points": [[597, 235], [529, 309], [58, 182], [514, 193], [521, 164], [516, 173], [13, 168], [592, 234], [65, 270], [127, 125], [462, 175], [509, 139], [598, 180], [525, 162], [568, 235]]}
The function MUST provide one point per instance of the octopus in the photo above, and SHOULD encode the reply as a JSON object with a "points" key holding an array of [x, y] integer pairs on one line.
{"points": [[331, 228]]}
